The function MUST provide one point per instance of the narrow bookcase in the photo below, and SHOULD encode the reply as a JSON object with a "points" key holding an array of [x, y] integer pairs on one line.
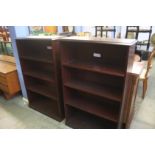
{"points": [[40, 63], [94, 73]]}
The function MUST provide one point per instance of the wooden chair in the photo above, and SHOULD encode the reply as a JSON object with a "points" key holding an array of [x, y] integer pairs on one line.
{"points": [[4, 33], [5, 40], [145, 73], [137, 58]]}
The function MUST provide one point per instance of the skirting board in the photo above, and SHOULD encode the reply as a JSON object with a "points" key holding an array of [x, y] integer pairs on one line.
{"points": [[26, 101]]}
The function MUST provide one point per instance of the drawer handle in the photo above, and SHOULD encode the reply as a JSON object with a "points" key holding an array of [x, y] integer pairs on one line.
{"points": [[97, 55], [49, 47]]}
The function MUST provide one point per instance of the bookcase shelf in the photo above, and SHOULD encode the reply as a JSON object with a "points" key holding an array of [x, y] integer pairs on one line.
{"points": [[36, 59], [94, 81], [93, 67], [95, 107], [39, 75], [80, 119], [40, 64], [94, 89], [39, 70], [43, 104], [42, 91]]}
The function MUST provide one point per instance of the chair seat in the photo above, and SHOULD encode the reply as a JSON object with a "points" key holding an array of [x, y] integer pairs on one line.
{"points": [[142, 75], [136, 58]]}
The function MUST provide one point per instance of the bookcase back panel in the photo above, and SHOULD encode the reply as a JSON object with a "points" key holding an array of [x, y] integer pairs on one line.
{"points": [[45, 70], [82, 120], [99, 54], [78, 95], [39, 49], [91, 77], [41, 86], [43, 104]]}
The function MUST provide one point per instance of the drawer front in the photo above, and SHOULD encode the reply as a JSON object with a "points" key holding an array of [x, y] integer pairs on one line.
{"points": [[3, 80], [4, 88]]}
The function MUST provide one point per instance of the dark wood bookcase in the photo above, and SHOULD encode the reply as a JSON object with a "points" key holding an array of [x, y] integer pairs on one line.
{"points": [[40, 62], [94, 73]]}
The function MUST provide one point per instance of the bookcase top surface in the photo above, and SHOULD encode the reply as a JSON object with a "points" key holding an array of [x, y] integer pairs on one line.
{"points": [[112, 41], [53, 37], [6, 67]]}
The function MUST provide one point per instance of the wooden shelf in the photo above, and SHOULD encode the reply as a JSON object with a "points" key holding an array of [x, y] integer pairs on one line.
{"points": [[142, 44], [36, 59], [39, 75], [82, 120], [141, 30], [94, 81], [40, 89], [106, 69], [39, 58], [44, 105], [105, 29], [95, 89], [103, 110]]}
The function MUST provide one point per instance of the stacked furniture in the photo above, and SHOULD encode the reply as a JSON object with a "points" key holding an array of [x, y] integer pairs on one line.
{"points": [[9, 83], [136, 30], [95, 81], [100, 30], [142, 47], [5, 41], [40, 61]]}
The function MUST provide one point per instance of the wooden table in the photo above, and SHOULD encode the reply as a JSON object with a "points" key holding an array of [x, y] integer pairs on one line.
{"points": [[133, 79], [138, 67], [9, 83], [9, 59]]}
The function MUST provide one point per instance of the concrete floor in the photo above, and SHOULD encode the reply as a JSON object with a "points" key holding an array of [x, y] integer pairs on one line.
{"points": [[15, 114], [145, 109]]}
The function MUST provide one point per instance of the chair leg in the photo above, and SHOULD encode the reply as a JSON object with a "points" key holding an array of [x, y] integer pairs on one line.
{"points": [[144, 87]]}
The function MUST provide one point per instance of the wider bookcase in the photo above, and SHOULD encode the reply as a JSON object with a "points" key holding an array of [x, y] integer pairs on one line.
{"points": [[40, 62], [94, 75]]}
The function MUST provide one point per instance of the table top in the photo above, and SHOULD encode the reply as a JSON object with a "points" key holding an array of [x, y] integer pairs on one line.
{"points": [[138, 67], [7, 64], [7, 58], [6, 67]]}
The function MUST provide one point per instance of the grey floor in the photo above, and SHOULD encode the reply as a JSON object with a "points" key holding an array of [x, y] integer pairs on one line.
{"points": [[15, 114], [145, 109]]}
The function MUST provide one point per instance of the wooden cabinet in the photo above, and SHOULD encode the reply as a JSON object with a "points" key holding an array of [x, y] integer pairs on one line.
{"points": [[40, 63], [133, 80], [9, 83], [94, 73]]}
